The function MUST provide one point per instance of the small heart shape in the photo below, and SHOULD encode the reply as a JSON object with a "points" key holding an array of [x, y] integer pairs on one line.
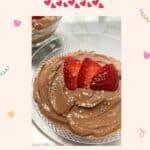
{"points": [[53, 5], [83, 3], [71, 2], [89, 4], [59, 3], [77, 5], [65, 4], [95, 2], [146, 55], [100, 5], [47, 2], [17, 23]]}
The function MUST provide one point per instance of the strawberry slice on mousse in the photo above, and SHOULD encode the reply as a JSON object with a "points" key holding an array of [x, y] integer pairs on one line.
{"points": [[37, 17], [107, 79], [88, 70], [71, 70]]}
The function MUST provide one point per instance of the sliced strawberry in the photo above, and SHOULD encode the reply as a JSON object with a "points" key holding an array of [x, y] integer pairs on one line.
{"points": [[107, 79], [71, 70], [88, 70], [37, 17]]}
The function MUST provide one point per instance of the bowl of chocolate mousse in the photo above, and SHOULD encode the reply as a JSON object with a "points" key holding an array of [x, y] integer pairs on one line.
{"points": [[42, 28], [79, 94]]}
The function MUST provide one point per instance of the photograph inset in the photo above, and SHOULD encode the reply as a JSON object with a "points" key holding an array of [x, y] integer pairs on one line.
{"points": [[76, 63]]}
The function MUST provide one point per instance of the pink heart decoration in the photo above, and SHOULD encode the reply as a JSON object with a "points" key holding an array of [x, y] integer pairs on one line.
{"points": [[71, 2], [83, 3], [101, 5], [89, 4], [146, 55], [95, 2], [17, 23], [53, 5], [77, 5], [47, 2], [65, 4], [59, 3]]}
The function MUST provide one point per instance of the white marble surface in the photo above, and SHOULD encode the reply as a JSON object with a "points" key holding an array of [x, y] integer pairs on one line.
{"points": [[95, 33], [39, 139]]}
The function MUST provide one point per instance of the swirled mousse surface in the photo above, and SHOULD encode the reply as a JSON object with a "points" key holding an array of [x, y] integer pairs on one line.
{"points": [[85, 112]]}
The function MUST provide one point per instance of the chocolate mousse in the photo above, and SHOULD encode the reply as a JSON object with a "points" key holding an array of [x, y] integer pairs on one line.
{"points": [[43, 27], [90, 108]]}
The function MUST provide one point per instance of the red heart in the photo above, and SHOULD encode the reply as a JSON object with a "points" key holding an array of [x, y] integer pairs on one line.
{"points": [[95, 2], [83, 3], [71, 2], [101, 5], [77, 5], [59, 3], [89, 4], [53, 5], [65, 4], [47, 2]]}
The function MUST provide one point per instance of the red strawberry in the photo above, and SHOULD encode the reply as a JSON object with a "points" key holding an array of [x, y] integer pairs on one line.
{"points": [[106, 79], [71, 70], [88, 70], [37, 17]]}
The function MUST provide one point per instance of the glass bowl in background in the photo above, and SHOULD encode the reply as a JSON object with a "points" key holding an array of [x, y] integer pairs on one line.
{"points": [[42, 28]]}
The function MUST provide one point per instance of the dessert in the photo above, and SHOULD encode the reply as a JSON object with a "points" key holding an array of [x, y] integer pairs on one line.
{"points": [[81, 93], [43, 27]]}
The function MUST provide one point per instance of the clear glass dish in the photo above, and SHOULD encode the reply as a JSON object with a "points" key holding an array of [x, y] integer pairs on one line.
{"points": [[70, 43]]}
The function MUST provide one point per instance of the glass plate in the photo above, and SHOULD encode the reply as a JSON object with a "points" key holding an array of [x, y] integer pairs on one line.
{"points": [[61, 46]]}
